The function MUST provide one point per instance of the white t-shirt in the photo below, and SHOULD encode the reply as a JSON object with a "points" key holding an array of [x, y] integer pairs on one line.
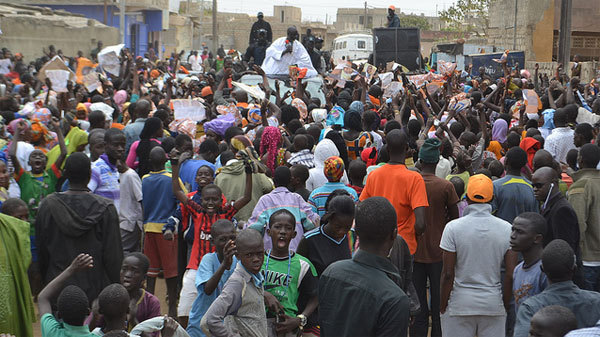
{"points": [[480, 241], [130, 210]]}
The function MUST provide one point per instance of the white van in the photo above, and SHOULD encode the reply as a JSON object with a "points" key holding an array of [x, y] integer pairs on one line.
{"points": [[352, 47]]}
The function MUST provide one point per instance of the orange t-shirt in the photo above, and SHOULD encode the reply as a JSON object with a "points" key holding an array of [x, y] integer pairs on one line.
{"points": [[117, 126], [405, 190]]}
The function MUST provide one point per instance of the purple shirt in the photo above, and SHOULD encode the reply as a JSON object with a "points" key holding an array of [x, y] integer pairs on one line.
{"points": [[280, 198]]}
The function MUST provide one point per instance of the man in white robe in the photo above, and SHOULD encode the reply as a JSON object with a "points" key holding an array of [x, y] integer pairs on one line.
{"points": [[280, 55]]}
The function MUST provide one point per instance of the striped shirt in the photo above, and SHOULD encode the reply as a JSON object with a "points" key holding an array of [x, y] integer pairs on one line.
{"points": [[202, 224], [318, 197], [105, 180]]}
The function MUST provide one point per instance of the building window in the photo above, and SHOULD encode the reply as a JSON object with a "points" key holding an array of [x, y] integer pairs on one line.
{"points": [[282, 16], [361, 44], [361, 20]]}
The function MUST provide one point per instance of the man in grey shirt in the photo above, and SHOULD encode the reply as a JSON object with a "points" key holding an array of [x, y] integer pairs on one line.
{"points": [[474, 248]]}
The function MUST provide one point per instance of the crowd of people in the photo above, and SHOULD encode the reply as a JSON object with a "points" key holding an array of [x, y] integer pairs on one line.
{"points": [[464, 206]]}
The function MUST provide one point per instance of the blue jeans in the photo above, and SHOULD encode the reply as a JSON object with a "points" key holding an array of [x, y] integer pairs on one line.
{"points": [[591, 277]]}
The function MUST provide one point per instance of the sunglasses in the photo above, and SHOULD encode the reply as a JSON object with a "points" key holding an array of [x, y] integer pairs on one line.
{"points": [[538, 185]]}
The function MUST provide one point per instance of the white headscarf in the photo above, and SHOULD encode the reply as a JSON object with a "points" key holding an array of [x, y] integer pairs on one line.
{"points": [[325, 149]]}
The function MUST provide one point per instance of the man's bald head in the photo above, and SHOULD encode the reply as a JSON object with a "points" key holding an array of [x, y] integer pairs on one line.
{"points": [[546, 174], [292, 33], [542, 158], [396, 141], [142, 108]]}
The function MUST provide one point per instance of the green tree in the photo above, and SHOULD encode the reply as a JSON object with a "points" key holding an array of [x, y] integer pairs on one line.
{"points": [[410, 21], [468, 16]]}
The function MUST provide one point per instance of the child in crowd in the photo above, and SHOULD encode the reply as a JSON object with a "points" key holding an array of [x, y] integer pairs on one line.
{"points": [[96, 143], [288, 276], [73, 304], [554, 321], [459, 187], [131, 215], [206, 213], [357, 170], [330, 242], [527, 237], [243, 295], [334, 171], [142, 304], [302, 154], [185, 222], [214, 270], [39, 182], [16, 208], [496, 169], [298, 183], [113, 304], [159, 203]]}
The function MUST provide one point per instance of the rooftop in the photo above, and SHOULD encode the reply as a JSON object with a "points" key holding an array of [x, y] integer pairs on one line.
{"points": [[58, 17]]}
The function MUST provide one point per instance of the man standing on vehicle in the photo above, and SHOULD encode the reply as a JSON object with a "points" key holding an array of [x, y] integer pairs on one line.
{"points": [[260, 24], [393, 19]]}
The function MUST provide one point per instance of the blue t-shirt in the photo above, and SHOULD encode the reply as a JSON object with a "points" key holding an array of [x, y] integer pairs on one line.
{"points": [[208, 266], [158, 200], [528, 282], [188, 170]]}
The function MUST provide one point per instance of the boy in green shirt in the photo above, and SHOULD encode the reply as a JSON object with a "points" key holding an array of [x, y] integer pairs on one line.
{"points": [[38, 183], [288, 276], [73, 304]]}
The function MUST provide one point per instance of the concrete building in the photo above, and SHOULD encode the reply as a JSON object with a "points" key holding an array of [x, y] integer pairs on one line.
{"points": [[28, 29], [538, 23], [352, 20], [145, 20]]}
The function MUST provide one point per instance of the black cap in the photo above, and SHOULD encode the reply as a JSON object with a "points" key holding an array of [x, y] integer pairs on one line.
{"points": [[260, 14]]}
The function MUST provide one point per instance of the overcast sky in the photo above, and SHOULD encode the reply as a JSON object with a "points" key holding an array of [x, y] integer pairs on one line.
{"points": [[319, 9]]}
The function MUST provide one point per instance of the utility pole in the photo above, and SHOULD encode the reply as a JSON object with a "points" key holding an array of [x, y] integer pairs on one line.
{"points": [[515, 26], [214, 27], [105, 15], [564, 37], [365, 20], [122, 20]]}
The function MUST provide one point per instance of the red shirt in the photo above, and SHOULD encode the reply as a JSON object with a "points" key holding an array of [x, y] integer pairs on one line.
{"points": [[202, 224]]}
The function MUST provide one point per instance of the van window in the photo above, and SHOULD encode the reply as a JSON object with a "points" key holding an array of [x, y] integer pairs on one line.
{"points": [[361, 44], [344, 45]]}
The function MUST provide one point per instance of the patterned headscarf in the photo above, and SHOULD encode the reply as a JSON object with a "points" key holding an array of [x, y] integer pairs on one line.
{"points": [[334, 169], [269, 143], [12, 126], [39, 132], [301, 106]]}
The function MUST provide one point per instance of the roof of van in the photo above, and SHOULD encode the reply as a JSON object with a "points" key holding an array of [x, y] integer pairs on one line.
{"points": [[354, 35]]}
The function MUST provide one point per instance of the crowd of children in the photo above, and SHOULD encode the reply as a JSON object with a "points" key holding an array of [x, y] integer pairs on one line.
{"points": [[457, 205]]}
